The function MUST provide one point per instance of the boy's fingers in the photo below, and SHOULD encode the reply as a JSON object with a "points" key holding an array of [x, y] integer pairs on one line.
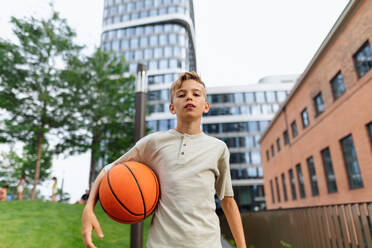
{"points": [[87, 235], [98, 229]]}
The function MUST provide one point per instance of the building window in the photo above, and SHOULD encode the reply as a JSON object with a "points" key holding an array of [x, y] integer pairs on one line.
{"points": [[313, 178], [293, 187], [351, 163], [305, 118], [250, 97], [277, 188], [318, 104], [284, 187], [286, 137], [338, 86], [267, 155], [328, 171], [272, 191], [281, 96], [369, 130], [278, 144], [294, 129], [272, 151], [363, 59], [300, 179], [270, 96], [260, 96]]}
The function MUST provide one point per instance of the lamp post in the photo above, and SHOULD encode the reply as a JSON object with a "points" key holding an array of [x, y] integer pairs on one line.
{"points": [[63, 179], [136, 230]]}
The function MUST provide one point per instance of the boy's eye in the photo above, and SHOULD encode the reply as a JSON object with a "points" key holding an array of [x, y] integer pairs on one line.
{"points": [[182, 95], [196, 94]]}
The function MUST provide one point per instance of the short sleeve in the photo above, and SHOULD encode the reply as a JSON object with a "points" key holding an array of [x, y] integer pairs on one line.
{"points": [[136, 153], [223, 183]]}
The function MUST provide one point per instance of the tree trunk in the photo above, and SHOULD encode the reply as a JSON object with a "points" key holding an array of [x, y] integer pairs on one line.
{"points": [[37, 169], [92, 160]]}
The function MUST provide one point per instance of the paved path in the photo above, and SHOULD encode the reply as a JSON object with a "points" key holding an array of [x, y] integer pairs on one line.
{"points": [[225, 244]]}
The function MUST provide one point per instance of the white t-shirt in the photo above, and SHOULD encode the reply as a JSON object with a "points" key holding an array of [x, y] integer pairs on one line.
{"points": [[191, 170]]}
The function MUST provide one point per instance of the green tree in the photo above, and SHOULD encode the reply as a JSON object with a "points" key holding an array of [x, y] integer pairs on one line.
{"points": [[30, 89], [12, 165], [104, 100]]}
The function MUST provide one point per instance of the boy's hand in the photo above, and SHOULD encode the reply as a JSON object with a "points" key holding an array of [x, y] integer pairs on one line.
{"points": [[89, 222]]}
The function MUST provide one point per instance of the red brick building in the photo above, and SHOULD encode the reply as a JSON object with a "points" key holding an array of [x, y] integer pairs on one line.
{"points": [[318, 148]]}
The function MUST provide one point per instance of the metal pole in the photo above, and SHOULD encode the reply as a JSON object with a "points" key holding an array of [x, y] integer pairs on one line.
{"points": [[136, 230], [61, 194]]}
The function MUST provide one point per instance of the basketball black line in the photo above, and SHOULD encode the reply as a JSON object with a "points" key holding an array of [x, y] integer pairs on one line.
{"points": [[143, 200], [126, 221], [112, 191], [157, 191]]}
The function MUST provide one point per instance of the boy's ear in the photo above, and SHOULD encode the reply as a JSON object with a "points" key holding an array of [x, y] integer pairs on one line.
{"points": [[171, 108], [206, 107]]}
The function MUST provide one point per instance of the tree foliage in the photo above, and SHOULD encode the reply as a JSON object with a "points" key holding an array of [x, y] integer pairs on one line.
{"points": [[104, 101], [13, 165], [31, 91]]}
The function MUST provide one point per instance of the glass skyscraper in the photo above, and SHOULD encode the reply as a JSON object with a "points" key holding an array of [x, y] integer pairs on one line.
{"points": [[157, 33]]}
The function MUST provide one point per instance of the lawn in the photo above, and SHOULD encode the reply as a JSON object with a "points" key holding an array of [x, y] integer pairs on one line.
{"points": [[45, 224]]}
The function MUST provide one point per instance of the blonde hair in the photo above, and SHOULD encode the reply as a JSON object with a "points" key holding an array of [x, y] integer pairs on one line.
{"points": [[182, 78]]}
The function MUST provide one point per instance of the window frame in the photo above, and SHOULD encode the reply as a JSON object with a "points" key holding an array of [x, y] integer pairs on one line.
{"points": [[278, 144], [284, 186], [333, 83], [304, 111], [300, 180], [294, 124], [326, 171], [369, 131], [277, 189], [350, 167], [292, 184], [362, 47], [286, 137], [313, 184], [316, 105], [272, 192]]}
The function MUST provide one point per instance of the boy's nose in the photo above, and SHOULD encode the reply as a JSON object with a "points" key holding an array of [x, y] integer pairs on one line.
{"points": [[188, 96]]}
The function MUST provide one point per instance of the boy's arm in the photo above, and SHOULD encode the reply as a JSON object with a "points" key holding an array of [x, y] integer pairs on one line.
{"points": [[89, 220], [232, 214]]}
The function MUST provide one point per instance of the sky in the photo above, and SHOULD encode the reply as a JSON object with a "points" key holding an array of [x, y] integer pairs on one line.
{"points": [[237, 42]]}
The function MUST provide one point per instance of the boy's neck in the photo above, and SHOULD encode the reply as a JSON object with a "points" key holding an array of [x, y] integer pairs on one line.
{"points": [[188, 128]]}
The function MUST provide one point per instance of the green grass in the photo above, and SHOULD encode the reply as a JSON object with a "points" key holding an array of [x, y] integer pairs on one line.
{"points": [[45, 224]]}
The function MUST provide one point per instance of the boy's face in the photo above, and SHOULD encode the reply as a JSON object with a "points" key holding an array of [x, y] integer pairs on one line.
{"points": [[189, 101]]}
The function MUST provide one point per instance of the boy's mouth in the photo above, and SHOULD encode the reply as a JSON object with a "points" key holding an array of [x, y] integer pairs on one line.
{"points": [[189, 106]]}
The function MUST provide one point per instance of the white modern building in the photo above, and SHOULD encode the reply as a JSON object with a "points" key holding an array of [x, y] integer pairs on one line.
{"points": [[238, 116], [157, 33]]}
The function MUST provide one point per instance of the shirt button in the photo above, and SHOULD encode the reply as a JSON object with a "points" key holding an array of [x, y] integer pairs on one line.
{"points": [[182, 153]]}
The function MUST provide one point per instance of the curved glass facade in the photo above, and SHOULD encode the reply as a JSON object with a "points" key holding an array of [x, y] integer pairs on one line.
{"points": [[157, 33]]}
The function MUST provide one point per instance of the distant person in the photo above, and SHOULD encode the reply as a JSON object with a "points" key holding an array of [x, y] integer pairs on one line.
{"points": [[22, 181], [84, 198], [54, 189], [3, 193]]}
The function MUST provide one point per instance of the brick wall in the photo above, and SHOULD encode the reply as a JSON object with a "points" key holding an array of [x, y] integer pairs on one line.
{"points": [[346, 115]]}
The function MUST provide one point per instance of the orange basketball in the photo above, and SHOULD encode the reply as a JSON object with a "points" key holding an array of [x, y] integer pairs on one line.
{"points": [[129, 192]]}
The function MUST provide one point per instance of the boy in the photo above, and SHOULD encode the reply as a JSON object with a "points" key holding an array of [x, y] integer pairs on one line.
{"points": [[192, 167]]}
